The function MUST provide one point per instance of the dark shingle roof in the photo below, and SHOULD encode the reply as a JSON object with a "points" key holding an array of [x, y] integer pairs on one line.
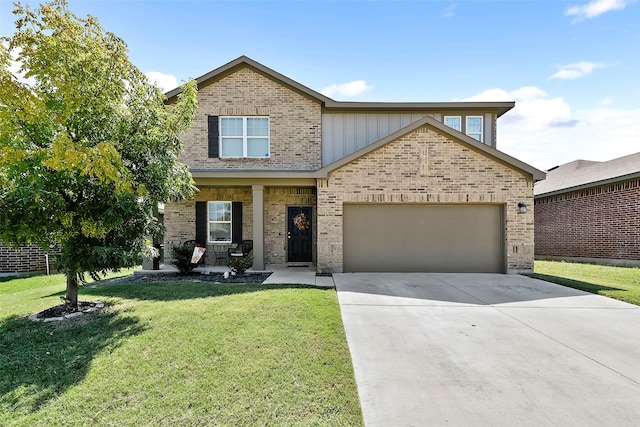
{"points": [[581, 174]]}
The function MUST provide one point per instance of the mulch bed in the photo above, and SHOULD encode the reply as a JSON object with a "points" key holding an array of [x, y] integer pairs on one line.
{"points": [[64, 311]]}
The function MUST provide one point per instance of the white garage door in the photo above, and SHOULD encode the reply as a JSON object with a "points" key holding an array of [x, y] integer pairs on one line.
{"points": [[423, 238]]}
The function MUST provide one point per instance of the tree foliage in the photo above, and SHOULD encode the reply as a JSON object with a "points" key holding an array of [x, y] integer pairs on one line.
{"points": [[87, 145]]}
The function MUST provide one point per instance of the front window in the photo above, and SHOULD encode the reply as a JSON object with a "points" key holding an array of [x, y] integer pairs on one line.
{"points": [[474, 127], [219, 222], [244, 136]]}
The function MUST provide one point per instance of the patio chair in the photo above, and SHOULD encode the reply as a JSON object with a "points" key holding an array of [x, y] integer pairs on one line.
{"points": [[241, 249]]}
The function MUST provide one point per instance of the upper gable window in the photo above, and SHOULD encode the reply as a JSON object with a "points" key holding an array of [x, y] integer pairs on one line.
{"points": [[473, 125], [244, 137], [453, 122]]}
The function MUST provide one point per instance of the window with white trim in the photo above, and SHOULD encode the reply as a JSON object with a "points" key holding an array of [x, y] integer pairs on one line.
{"points": [[244, 137], [219, 224], [453, 122], [474, 127]]}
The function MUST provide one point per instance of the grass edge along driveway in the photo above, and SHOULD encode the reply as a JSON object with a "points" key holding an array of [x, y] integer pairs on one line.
{"points": [[622, 283], [176, 353]]}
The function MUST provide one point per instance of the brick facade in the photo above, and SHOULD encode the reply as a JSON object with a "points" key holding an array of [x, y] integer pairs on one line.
{"points": [[425, 167], [295, 122], [27, 259], [601, 222], [421, 167]]}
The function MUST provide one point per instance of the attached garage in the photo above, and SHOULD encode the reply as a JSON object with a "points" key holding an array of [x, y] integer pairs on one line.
{"points": [[424, 238]]}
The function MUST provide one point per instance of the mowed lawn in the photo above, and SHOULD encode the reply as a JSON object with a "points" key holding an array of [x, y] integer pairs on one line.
{"points": [[176, 354], [621, 283]]}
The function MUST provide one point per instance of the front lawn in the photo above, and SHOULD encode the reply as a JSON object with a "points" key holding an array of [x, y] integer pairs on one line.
{"points": [[176, 354], [621, 283]]}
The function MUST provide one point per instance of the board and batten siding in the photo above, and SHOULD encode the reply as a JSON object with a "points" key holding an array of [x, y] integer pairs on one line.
{"points": [[344, 133]]}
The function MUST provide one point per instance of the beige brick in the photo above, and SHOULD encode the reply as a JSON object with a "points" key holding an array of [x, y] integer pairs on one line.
{"points": [[295, 122], [425, 167]]}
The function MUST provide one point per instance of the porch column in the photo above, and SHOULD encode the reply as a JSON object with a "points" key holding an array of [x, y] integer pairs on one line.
{"points": [[258, 226]]}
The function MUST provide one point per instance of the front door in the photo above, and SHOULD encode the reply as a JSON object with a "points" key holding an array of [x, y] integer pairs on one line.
{"points": [[299, 234]]}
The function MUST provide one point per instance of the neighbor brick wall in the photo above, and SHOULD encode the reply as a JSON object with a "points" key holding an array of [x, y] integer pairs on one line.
{"points": [[26, 259], [425, 167], [600, 222], [295, 122]]}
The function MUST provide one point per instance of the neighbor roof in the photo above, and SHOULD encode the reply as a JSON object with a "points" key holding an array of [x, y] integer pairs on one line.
{"points": [[581, 174], [499, 107]]}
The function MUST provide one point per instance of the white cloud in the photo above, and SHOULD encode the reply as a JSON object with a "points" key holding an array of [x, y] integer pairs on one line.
{"points": [[448, 11], [606, 101], [165, 82], [353, 88], [577, 70], [543, 130], [596, 8]]}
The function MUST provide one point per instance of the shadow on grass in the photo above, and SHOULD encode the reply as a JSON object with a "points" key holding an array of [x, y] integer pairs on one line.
{"points": [[183, 290], [39, 361], [176, 290], [576, 284]]}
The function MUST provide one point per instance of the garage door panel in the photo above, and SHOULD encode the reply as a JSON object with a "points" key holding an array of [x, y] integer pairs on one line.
{"points": [[423, 238]]}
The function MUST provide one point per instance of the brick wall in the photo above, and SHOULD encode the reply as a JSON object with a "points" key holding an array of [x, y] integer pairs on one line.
{"points": [[27, 259], [295, 122], [425, 167], [600, 222]]}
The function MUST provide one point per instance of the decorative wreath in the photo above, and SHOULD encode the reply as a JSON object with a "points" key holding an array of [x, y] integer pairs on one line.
{"points": [[301, 221]]}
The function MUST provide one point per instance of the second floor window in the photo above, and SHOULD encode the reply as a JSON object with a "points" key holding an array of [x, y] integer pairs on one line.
{"points": [[453, 122], [472, 125], [244, 136]]}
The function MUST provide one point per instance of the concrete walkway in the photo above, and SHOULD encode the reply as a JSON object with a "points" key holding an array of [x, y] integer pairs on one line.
{"points": [[489, 350]]}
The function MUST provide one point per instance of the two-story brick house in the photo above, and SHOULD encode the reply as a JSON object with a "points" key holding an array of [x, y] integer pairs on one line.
{"points": [[351, 186]]}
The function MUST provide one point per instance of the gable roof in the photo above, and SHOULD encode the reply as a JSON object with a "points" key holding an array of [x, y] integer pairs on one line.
{"points": [[581, 174], [442, 129], [330, 104]]}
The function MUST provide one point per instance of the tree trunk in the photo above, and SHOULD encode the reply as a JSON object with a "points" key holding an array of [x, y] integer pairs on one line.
{"points": [[72, 290]]}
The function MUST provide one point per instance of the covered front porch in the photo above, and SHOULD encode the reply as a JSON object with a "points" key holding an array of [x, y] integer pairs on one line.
{"points": [[277, 215]]}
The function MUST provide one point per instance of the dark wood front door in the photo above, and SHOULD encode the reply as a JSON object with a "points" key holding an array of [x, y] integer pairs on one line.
{"points": [[299, 234]]}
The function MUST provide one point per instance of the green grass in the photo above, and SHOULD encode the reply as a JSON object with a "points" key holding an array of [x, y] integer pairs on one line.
{"points": [[176, 354], [621, 283]]}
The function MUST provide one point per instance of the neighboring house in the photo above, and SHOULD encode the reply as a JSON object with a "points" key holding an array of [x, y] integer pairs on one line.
{"points": [[28, 259], [350, 186], [590, 211]]}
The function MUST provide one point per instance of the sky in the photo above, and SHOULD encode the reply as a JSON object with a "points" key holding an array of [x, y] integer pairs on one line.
{"points": [[571, 66]]}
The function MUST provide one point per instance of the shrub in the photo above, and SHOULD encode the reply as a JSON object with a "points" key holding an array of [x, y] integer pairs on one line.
{"points": [[181, 258], [240, 264]]}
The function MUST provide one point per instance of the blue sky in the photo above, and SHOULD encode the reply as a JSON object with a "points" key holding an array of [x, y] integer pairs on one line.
{"points": [[572, 66]]}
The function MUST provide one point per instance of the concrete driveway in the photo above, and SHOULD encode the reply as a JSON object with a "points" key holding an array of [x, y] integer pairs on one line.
{"points": [[489, 350]]}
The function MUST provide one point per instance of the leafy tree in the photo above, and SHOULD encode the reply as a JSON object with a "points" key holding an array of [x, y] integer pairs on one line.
{"points": [[87, 145]]}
